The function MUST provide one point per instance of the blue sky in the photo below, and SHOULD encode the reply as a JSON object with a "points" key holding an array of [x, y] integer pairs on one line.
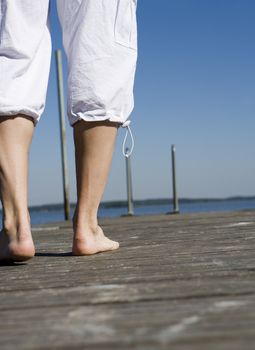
{"points": [[195, 88]]}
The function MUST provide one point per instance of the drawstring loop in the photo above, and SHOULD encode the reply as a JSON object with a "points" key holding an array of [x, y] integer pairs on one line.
{"points": [[128, 131]]}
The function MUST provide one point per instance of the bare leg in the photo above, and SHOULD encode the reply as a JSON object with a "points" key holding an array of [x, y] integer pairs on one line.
{"points": [[16, 242], [94, 144]]}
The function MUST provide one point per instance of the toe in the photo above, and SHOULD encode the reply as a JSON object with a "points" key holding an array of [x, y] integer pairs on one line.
{"points": [[115, 245]]}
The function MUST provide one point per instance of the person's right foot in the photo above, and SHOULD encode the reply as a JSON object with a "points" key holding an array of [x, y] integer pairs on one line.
{"points": [[87, 242], [15, 250]]}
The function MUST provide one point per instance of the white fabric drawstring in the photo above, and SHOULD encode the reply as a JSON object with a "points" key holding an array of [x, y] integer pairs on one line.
{"points": [[128, 130]]}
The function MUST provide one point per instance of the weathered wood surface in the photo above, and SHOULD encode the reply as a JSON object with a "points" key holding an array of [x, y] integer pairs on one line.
{"points": [[178, 282]]}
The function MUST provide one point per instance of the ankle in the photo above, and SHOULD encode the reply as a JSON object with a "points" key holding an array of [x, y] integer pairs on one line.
{"points": [[82, 228], [17, 225], [84, 222]]}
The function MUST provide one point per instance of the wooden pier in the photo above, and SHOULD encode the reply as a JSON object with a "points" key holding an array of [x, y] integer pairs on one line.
{"points": [[177, 282]]}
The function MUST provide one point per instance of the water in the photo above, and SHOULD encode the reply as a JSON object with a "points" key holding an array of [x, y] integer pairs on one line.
{"points": [[51, 213]]}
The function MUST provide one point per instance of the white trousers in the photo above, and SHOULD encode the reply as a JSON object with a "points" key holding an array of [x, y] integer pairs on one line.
{"points": [[100, 41]]}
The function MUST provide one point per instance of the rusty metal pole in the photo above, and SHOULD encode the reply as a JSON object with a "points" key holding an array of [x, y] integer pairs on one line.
{"points": [[175, 198], [62, 133]]}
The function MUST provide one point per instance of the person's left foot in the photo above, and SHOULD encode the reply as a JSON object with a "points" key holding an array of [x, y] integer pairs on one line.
{"points": [[15, 250]]}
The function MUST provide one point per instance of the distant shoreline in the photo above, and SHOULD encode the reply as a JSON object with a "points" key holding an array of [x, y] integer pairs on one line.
{"points": [[145, 202]]}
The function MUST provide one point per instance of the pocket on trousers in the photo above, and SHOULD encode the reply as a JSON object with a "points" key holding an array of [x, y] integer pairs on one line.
{"points": [[125, 28]]}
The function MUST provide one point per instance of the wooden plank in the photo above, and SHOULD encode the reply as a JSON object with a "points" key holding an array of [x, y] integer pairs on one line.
{"points": [[177, 282]]}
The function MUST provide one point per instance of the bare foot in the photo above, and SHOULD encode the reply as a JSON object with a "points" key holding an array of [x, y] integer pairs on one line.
{"points": [[92, 243], [15, 249]]}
